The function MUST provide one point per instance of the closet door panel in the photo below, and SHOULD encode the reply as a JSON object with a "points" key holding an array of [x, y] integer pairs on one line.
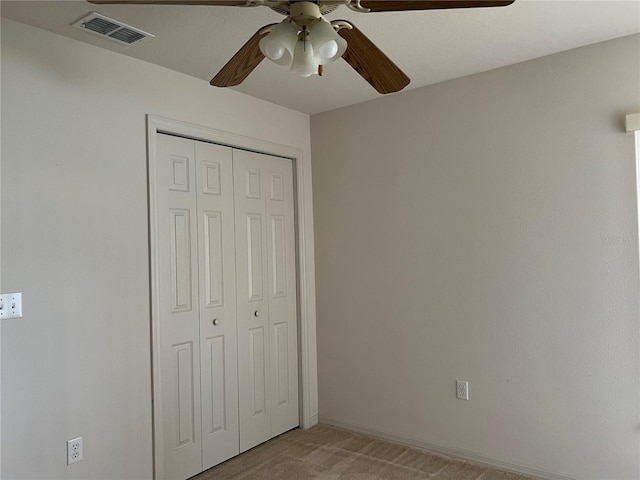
{"points": [[179, 345], [278, 182], [217, 307], [252, 306], [267, 312]]}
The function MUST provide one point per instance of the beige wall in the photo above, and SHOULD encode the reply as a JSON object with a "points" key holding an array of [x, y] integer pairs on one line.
{"points": [[75, 242], [485, 229]]}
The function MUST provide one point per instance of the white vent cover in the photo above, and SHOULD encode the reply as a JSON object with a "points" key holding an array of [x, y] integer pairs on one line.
{"points": [[110, 28]]}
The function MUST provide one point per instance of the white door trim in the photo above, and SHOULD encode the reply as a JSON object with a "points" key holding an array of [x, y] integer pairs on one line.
{"points": [[306, 265]]}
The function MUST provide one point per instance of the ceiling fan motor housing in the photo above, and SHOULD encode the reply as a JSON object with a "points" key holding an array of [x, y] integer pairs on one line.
{"points": [[304, 13]]}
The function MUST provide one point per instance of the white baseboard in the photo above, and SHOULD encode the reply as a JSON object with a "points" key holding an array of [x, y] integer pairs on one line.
{"points": [[447, 450]]}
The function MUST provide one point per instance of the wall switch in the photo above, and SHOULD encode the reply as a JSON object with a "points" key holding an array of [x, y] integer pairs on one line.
{"points": [[74, 450], [462, 390], [10, 305]]}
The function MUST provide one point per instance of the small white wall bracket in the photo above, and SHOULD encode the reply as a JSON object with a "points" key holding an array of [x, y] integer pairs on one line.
{"points": [[10, 305]]}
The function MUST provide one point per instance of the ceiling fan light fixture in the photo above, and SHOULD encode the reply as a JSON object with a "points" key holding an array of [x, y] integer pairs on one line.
{"points": [[303, 47], [279, 44]]}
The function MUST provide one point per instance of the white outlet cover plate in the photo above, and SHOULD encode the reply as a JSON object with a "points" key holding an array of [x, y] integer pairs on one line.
{"points": [[462, 390], [74, 450], [10, 305]]}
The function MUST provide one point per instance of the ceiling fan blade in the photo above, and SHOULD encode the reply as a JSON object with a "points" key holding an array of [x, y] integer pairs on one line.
{"points": [[401, 5], [223, 3], [371, 63], [242, 63]]}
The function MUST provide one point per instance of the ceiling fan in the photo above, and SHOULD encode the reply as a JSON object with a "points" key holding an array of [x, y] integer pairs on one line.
{"points": [[305, 41]]}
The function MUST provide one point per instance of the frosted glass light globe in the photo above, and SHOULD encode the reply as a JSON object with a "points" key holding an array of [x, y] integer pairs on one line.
{"points": [[327, 44], [278, 45], [304, 62]]}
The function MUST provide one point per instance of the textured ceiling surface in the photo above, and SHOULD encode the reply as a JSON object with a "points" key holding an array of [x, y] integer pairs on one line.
{"points": [[430, 46]]}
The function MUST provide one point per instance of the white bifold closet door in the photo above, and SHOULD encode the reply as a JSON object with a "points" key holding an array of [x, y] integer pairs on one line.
{"points": [[197, 306], [226, 331], [266, 291]]}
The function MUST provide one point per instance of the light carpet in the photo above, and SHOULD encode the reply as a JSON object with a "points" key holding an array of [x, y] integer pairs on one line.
{"points": [[329, 453]]}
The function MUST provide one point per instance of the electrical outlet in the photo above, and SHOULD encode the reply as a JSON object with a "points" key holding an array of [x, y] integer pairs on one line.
{"points": [[462, 390], [74, 450]]}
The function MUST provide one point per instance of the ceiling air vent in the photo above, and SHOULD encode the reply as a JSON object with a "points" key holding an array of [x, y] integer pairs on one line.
{"points": [[110, 28]]}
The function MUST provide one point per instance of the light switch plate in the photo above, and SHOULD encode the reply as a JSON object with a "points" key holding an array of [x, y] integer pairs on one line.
{"points": [[10, 305]]}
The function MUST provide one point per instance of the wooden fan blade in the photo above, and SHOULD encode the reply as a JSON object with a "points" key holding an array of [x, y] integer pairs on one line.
{"points": [[242, 63], [401, 5], [371, 63], [223, 3]]}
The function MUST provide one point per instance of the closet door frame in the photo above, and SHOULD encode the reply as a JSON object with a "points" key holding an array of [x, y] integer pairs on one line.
{"points": [[305, 265]]}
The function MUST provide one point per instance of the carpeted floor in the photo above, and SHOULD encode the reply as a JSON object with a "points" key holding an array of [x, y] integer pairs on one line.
{"points": [[328, 453]]}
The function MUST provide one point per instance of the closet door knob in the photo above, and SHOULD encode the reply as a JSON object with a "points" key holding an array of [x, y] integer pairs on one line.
{"points": [[256, 313], [216, 321]]}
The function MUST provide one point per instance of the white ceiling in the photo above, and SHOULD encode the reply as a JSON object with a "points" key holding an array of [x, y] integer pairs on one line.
{"points": [[430, 46]]}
